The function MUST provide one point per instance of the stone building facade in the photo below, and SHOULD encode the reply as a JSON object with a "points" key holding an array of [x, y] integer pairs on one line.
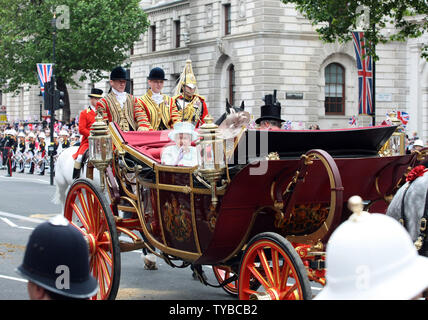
{"points": [[244, 49]]}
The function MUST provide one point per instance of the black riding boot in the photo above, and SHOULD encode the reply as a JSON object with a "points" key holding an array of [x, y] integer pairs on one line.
{"points": [[76, 173]]}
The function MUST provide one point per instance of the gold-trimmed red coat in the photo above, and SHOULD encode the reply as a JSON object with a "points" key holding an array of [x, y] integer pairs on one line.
{"points": [[193, 111], [157, 117], [129, 118]]}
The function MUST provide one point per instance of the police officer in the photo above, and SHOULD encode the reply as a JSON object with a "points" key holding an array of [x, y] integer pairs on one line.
{"points": [[56, 263], [372, 257]]}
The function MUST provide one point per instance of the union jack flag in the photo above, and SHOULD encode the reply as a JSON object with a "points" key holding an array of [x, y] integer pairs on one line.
{"points": [[404, 117], [44, 72], [365, 75], [352, 121], [286, 125]]}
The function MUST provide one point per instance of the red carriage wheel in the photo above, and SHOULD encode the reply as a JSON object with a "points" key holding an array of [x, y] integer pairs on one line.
{"points": [[223, 273], [86, 209], [272, 269]]}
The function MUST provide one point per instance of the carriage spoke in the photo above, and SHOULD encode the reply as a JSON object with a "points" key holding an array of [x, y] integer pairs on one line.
{"points": [[86, 211], [100, 280], [258, 276], [276, 267], [105, 271], [106, 257], [80, 216], [284, 275], [291, 293], [266, 267]]}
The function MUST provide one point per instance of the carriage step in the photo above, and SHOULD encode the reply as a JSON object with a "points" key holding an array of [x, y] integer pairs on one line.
{"points": [[317, 264], [126, 208], [129, 246]]}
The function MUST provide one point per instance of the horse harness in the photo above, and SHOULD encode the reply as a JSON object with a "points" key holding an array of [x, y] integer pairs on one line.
{"points": [[421, 242]]}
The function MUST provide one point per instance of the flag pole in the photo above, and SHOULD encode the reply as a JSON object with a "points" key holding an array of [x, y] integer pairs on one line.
{"points": [[374, 80]]}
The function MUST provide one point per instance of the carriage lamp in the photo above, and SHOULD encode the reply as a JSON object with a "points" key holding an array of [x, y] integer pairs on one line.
{"points": [[398, 139], [212, 158], [100, 146]]}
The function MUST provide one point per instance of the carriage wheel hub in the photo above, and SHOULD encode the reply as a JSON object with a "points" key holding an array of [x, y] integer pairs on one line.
{"points": [[270, 294], [92, 243]]}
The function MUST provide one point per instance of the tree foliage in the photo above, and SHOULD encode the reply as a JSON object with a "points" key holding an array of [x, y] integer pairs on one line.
{"points": [[97, 37], [336, 19]]}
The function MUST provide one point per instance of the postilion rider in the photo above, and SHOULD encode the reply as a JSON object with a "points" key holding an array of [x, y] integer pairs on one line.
{"points": [[190, 104], [86, 119]]}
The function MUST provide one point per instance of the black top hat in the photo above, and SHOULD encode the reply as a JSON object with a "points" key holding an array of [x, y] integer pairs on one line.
{"points": [[56, 248], [96, 93], [271, 110], [118, 73], [157, 74]]}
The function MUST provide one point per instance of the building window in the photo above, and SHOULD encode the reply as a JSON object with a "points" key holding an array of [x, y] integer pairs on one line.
{"points": [[231, 76], [334, 89], [227, 19], [153, 36], [131, 50], [177, 29]]}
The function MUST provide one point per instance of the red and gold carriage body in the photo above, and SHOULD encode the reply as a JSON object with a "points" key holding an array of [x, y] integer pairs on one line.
{"points": [[281, 196]]}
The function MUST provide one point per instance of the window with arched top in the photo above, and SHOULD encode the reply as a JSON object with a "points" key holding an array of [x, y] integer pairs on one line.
{"points": [[334, 102], [231, 83]]}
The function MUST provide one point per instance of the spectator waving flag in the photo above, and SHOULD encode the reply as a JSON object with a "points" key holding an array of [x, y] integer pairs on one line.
{"points": [[403, 117], [44, 71], [352, 121], [365, 75]]}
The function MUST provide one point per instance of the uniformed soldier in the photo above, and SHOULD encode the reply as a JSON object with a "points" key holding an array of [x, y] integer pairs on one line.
{"points": [[65, 142], [190, 104], [31, 149], [119, 106], [41, 152], [157, 109], [2, 153], [86, 119], [10, 149]]}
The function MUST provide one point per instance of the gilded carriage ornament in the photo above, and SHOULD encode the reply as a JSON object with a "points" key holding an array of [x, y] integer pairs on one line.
{"points": [[177, 221], [212, 218], [303, 218]]}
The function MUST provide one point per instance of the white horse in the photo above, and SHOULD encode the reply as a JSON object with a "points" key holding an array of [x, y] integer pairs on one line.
{"points": [[409, 204], [64, 166]]}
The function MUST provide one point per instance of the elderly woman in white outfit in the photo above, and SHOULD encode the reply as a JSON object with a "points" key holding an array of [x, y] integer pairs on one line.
{"points": [[182, 153]]}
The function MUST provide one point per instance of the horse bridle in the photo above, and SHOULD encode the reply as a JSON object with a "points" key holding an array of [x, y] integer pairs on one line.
{"points": [[421, 240]]}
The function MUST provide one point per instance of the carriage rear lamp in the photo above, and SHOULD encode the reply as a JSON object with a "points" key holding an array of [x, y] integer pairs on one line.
{"points": [[100, 146], [211, 149], [397, 140], [212, 159]]}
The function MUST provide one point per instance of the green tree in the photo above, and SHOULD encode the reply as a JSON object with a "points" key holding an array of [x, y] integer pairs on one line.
{"points": [[336, 19], [92, 37]]}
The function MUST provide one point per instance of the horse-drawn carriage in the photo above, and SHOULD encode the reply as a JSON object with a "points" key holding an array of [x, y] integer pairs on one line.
{"points": [[259, 208]]}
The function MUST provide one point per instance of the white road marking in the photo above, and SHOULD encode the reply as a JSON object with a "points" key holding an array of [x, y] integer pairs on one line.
{"points": [[13, 278], [13, 225], [25, 179], [19, 217]]}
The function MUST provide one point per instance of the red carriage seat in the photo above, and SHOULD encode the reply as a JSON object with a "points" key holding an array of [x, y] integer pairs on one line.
{"points": [[148, 143]]}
